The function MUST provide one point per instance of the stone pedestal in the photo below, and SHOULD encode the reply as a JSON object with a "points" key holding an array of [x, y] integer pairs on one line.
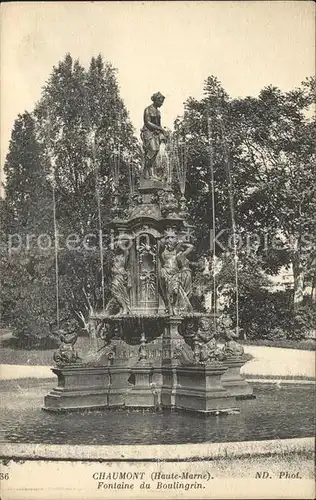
{"points": [[119, 386], [169, 384], [142, 394], [79, 387], [200, 389], [170, 341], [156, 382], [233, 381]]}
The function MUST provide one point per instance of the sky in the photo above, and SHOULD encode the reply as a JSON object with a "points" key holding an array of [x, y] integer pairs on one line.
{"points": [[167, 46]]}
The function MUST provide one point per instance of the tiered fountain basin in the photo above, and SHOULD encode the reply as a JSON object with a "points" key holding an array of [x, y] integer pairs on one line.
{"points": [[132, 363]]}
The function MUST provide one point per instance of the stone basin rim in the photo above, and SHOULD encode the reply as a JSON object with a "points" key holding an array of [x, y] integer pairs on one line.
{"points": [[172, 452], [102, 315]]}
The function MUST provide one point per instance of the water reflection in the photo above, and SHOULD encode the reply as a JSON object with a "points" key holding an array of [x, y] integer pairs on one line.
{"points": [[276, 413]]}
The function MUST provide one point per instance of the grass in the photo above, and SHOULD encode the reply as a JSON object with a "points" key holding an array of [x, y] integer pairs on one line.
{"points": [[11, 356], [299, 462], [302, 462], [14, 356], [294, 461]]}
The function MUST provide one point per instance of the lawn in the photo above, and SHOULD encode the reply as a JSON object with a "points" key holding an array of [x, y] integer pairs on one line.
{"points": [[9, 356], [13, 356]]}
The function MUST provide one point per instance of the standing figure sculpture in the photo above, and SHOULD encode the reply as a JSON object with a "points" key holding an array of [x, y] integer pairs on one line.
{"points": [[174, 279], [185, 269], [152, 135], [120, 282]]}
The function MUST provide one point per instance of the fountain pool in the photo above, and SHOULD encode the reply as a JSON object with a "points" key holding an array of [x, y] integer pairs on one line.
{"points": [[278, 412]]}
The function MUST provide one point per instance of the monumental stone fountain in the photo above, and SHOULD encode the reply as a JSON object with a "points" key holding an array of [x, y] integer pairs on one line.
{"points": [[156, 351]]}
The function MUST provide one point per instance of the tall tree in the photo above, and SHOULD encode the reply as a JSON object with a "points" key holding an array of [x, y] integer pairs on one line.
{"points": [[78, 143], [26, 188], [85, 129], [26, 230], [279, 139], [268, 143]]}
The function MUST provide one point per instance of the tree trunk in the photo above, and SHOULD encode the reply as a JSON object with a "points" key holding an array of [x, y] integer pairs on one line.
{"points": [[313, 291], [298, 275]]}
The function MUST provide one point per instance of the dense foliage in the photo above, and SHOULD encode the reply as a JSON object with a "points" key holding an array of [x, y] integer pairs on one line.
{"points": [[262, 152], [78, 143]]}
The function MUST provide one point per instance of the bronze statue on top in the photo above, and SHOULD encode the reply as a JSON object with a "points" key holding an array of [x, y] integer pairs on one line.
{"points": [[152, 135]]}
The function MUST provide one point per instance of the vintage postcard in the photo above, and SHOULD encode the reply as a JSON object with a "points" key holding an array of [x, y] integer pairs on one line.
{"points": [[158, 262]]}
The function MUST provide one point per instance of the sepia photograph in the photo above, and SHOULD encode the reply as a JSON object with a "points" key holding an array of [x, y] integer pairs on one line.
{"points": [[158, 250]]}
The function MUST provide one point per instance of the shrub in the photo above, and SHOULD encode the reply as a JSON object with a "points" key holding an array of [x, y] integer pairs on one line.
{"points": [[269, 315], [304, 320]]}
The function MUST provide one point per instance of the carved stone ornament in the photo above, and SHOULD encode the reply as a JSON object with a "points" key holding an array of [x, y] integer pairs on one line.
{"points": [[168, 204], [232, 349], [66, 353], [205, 344]]}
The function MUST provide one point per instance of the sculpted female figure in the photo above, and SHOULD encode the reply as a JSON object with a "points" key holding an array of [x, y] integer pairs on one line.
{"points": [[120, 282], [152, 134], [185, 268], [174, 280]]}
